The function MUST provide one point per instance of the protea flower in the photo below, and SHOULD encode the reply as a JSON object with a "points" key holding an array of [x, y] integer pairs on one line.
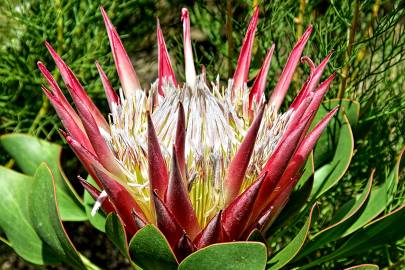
{"points": [[203, 161]]}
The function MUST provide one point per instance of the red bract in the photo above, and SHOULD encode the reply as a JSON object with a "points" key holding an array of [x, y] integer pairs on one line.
{"points": [[185, 157]]}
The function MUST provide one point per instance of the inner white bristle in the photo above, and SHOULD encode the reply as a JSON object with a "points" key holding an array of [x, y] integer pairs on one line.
{"points": [[216, 125]]}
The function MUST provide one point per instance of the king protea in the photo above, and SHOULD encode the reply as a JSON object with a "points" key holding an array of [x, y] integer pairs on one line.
{"points": [[203, 161]]}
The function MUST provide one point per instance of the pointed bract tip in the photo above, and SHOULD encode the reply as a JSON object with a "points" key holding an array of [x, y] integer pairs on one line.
{"points": [[256, 12], [165, 69], [259, 84], [184, 247], [47, 92], [240, 76], [105, 17], [64, 133], [139, 222], [184, 13], [188, 51], [40, 64], [126, 72], [308, 31]]}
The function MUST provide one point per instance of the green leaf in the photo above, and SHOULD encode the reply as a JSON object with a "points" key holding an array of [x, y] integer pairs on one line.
{"points": [[328, 175], [375, 205], [308, 171], [363, 267], [29, 152], [342, 220], [350, 107], [98, 220], [392, 180], [15, 221], [150, 250], [328, 140], [288, 253], [228, 256], [382, 231], [45, 218], [116, 233]]}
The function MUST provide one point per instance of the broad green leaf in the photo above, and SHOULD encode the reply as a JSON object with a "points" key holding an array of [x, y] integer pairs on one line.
{"points": [[393, 178], [150, 250], [382, 231], [29, 152], [45, 218], [379, 199], [228, 256], [15, 221], [98, 220], [342, 220], [116, 233], [350, 107], [327, 142], [285, 255], [308, 170], [363, 267], [374, 206], [328, 175]]}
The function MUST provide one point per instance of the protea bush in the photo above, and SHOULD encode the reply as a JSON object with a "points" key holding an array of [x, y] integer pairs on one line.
{"points": [[206, 163], [195, 163]]}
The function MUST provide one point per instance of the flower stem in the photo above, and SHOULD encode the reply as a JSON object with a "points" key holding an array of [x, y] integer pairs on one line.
{"points": [[41, 113], [352, 33], [300, 19]]}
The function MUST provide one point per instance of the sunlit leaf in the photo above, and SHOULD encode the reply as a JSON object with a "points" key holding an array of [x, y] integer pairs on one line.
{"points": [[45, 218], [382, 231], [329, 174], [228, 256], [15, 221], [340, 222], [116, 233], [363, 267], [29, 152], [285, 255], [150, 250]]}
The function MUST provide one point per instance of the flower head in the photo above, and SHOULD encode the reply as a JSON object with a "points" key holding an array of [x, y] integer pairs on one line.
{"points": [[203, 161]]}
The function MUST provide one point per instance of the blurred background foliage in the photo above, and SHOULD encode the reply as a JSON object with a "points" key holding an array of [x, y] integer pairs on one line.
{"points": [[368, 39]]}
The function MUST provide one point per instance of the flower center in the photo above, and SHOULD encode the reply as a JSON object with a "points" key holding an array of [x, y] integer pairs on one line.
{"points": [[215, 126]]}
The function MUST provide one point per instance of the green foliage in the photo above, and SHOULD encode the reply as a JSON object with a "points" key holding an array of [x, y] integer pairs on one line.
{"points": [[116, 233], [46, 220], [337, 141], [150, 250], [15, 218], [227, 256], [285, 255], [18, 220], [383, 230], [29, 152], [76, 30], [369, 42]]}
